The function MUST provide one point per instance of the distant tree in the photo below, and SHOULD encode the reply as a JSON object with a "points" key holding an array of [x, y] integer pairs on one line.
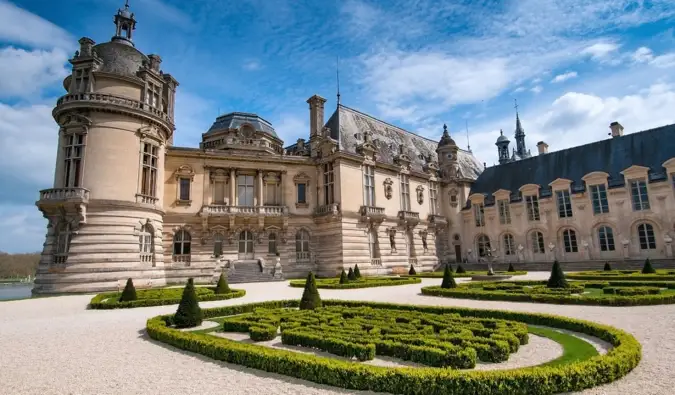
{"points": [[129, 292], [647, 268], [448, 279], [343, 277], [557, 279], [310, 296], [412, 271], [222, 287], [357, 272], [189, 314]]}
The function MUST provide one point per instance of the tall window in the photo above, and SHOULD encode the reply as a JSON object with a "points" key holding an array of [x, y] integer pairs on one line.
{"points": [[219, 191], [328, 184], [184, 188], [504, 212], [373, 245], [537, 239], [433, 198], [369, 185], [82, 80], [646, 236], [145, 243], [302, 193], [606, 238], [532, 203], [638, 189], [218, 245], [272, 196], [149, 171], [302, 245], [245, 190], [272, 243], [599, 197], [182, 242], [153, 94], [405, 192], [483, 245], [479, 214], [509, 245], [74, 150], [570, 240], [564, 204], [63, 238]]}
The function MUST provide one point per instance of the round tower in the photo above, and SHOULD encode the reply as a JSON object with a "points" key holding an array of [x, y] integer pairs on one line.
{"points": [[447, 156], [105, 210], [502, 147]]}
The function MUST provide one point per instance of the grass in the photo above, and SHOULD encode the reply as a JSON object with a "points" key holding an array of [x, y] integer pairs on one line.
{"points": [[627, 275], [574, 348]]}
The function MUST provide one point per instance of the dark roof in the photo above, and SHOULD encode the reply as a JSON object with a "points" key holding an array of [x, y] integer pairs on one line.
{"points": [[649, 148], [348, 126], [119, 58], [235, 119]]}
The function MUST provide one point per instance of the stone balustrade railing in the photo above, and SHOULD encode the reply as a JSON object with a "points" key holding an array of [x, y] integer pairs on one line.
{"points": [[376, 261], [302, 255], [268, 211], [332, 208], [116, 100], [56, 194]]}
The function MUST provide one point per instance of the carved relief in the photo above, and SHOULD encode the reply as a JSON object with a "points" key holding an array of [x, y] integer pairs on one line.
{"points": [[388, 189], [420, 194]]}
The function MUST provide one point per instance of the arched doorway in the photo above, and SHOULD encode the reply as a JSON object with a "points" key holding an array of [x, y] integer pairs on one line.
{"points": [[245, 245]]}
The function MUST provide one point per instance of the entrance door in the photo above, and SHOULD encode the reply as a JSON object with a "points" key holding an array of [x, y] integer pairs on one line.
{"points": [[458, 253], [245, 245]]}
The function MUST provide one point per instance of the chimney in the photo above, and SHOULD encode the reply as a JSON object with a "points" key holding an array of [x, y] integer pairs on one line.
{"points": [[617, 129], [542, 147], [300, 144], [315, 114]]}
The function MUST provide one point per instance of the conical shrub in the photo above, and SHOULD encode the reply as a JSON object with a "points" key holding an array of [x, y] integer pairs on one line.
{"points": [[647, 268], [460, 269], [343, 277], [222, 287], [189, 314], [607, 268], [129, 292], [511, 268], [448, 279], [557, 279], [310, 296], [412, 271], [351, 276], [357, 272]]}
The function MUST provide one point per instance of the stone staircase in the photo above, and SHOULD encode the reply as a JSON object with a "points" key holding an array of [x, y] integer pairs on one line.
{"points": [[249, 271]]}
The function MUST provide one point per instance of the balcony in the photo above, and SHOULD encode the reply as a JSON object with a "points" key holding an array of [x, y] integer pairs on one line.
{"points": [[327, 212], [91, 99], [58, 195], [246, 211], [408, 218], [437, 221], [372, 214], [182, 258], [302, 256]]}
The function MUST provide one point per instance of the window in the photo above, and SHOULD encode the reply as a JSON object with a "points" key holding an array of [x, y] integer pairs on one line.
{"points": [[532, 203], [504, 212], [509, 245], [182, 242], [606, 238], [405, 192], [245, 245], [302, 245], [564, 204], [153, 94], [570, 240], [373, 244], [599, 198], [639, 194], [646, 236], [328, 186], [537, 242], [479, 214], [484, 246], [368, 185], [433, 198], [218, 245], [74, 150], [145, 243], [63, 239], [272, 197], [82, 80], [245, 190], [272, 243], [302, 193], [149, 170]]}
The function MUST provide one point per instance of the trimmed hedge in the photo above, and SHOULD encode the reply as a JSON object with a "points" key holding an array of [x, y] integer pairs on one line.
{"points": [[364, 282], [463, 274], [159, 297], [627, 275], [575, 376]]}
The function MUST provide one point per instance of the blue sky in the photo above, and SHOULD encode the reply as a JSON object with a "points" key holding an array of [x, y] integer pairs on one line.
{"points": [[574, 66]]}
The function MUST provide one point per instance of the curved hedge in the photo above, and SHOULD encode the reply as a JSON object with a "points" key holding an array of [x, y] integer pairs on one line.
{"points": [[624, 275], [575, 376], [364, 282], [462, 275], [158, 297]]}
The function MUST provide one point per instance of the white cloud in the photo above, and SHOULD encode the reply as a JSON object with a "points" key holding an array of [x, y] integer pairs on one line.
{"points": [[23, 228], [519, 89], [564, 76], [26, 73], [288, 126], [252, 65], [646, 55], [22, 27], [601, 51], [537, 89]]}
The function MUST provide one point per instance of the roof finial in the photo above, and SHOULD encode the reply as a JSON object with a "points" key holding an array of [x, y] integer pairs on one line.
{"points": [[468, 143], [337, 74], [445, 128], [515, 101], [126, 4]]}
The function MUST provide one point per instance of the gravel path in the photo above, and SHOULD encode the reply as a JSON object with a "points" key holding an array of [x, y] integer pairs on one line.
{"points": [[56, 346]]}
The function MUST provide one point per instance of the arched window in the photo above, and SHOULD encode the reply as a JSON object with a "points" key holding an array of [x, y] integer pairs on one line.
{"points": [[606, 238], [272, 243], [218, 245], [646, 236], [537, 239], [145, 243], [483, 245], [302, 245], [245, 245], [509, 245], [182, 242], [570, 240]]}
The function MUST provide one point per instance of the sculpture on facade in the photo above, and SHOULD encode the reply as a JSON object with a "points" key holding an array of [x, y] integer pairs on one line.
{"points": [[388, 189]]}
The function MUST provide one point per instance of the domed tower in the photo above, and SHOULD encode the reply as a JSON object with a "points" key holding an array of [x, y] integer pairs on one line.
{"points": [[447, 156], [503, 147], [105, 210]]}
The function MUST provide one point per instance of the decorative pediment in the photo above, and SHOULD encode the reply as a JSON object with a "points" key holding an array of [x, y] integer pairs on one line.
{"points": [[595, 177], [501, 194], [74, 123], [635, 171], [431, 167], [529, 189], [560, 183], [301, 178], [271, 178], [218, 174], [388, 189], [184, 171], [149, 131], [477, 198], [669, 164], [218, 229]]}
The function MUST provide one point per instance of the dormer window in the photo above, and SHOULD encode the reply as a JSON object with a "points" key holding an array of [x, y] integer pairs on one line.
{"points": [[479, 214]]}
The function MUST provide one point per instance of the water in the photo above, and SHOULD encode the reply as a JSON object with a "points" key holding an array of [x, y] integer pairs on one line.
{"points": [[15, 291]]}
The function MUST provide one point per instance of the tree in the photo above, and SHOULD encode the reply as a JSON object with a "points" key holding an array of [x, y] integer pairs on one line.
{"points": [[511, 268], [129, 292], [647, 268], [412, 271], [607, 268], [357, 272], [310, 296], [343, 277], [557, 279], [189, 314], [222, 287], [448, 279], [460, 269], [351, 276]]}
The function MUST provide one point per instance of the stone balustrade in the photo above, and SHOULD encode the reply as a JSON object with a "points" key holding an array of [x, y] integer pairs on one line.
{"points": [[372, 214], [376, 261], [64, 194], [326, 209], [302, 255], [266, 211], [104, 98], [437, 221], [409, 218]]}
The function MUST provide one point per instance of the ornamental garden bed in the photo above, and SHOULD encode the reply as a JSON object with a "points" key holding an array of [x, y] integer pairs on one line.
{"points": [[624, 275], [363, 282], [445, 342], [439, 274], [159, 297]]}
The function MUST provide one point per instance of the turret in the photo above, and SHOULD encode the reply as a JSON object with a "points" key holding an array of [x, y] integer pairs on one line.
{"points": [[502, 147], [447, 156]]}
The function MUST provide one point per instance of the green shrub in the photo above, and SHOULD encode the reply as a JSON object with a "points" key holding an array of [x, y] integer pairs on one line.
{"points": [[310, 296], [222, 287], [357, 272], [343, 277], [351, 276], [511, 268], [412, 271], [448, 280], [607, 267], [460, 269], [261, 333], [189, 314], [368, 282], [158, 297], [129, 293], [557, 279], [647, 268]]}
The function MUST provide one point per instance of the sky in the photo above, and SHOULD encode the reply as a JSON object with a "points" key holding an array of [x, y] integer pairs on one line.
{"points": [[574, 67]]}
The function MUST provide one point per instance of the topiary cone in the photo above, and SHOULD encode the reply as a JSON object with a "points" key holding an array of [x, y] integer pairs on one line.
{"points": [[607, 268], [189, 314], [412, 271], [557, 279], [511, 268], [448, 280], [310, 296], [460, 269], [351, 276], [357, 272], [129, 292], [647, 268], [343, 277], [222, 287]]}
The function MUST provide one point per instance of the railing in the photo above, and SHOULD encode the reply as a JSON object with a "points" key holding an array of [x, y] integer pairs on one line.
{"points": [[116, 100], [302, 255], [59, 258], [435, 219], [376, 261], [146, 257], [412, 261], [64, 194], [371, 210], [270, 211], [146, 199], [332, 208], [409, 215], [184, 258]]}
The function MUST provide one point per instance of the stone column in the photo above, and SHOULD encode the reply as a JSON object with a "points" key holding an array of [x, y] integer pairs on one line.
{"points": [[259, 188], [233, 180], [282, 189]]}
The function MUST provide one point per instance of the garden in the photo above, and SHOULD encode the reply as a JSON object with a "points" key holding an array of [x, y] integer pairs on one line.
{"points": [[648, 273], [354, 279], [460, 272]]}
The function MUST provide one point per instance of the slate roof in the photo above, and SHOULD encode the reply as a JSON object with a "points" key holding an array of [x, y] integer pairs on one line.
{"points": [[235, 119], [348, 126], [649, 148], [119, 58]]}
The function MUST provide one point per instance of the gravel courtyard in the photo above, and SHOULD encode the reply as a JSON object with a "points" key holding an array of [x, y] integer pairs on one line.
{"points": [[57, 346]]}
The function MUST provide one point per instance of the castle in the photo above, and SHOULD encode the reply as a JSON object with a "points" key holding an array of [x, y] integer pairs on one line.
{"points": [[127, 203]]}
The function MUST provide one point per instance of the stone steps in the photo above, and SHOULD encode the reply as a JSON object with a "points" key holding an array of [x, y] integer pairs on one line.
{"points": [[249, 272]]}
